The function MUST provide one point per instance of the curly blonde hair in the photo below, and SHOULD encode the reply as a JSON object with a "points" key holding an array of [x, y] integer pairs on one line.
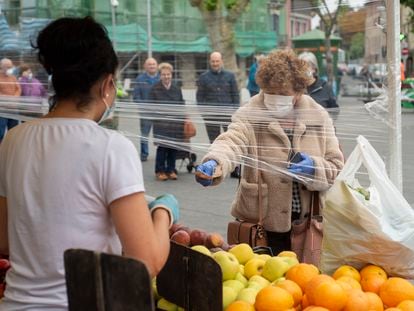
{"points": [[282, 70]]}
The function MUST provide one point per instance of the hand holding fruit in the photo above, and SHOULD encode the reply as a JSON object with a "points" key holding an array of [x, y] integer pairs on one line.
{"points": [[169, 203]]}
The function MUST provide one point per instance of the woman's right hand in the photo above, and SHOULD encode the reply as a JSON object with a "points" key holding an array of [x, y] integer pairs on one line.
{"points": [[205, 172]]}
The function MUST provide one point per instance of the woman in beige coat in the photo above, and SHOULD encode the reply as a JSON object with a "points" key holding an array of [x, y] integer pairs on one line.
{"points": [[264, 134]]}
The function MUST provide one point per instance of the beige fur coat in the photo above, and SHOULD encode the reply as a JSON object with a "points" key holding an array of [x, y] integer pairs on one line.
{"points": [[314, 134]]}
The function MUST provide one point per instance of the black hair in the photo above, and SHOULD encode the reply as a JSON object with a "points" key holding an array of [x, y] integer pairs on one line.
{"points": [[77, 52]]}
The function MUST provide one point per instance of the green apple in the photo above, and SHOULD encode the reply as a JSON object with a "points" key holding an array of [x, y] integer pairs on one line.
{"points": [[260, 280], [253, 267], [287, 254], [164, 304], [277, 281], [248, 295], [243, 252], [275, 268], [202, 249], [291, 261], [228, 263], [240, 277], [256, 286], [236, 285], [154, 289], [229, 295], [265, 257]]}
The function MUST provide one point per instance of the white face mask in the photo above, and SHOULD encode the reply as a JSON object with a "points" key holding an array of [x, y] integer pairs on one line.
{"points": [[10, 71], [279, 105], [109, 109]]}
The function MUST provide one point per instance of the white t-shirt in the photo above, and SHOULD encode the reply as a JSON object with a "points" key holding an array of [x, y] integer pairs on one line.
{"points": [[59, 175]]}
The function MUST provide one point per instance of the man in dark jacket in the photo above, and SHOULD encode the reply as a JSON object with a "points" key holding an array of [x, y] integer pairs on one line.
{"points": [[218, 89], [143, 85]]}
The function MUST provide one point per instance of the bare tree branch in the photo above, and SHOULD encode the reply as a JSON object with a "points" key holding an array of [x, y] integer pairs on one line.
{"points": [[236, 11]]}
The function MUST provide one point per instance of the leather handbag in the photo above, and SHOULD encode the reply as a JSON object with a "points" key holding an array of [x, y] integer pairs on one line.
{"points": [[306, 235], [241, 231], [244, 231], [189, 129]]}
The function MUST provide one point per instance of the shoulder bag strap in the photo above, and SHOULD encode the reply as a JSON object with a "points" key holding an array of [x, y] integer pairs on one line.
{"points": [[314, 208], [259, 178]]}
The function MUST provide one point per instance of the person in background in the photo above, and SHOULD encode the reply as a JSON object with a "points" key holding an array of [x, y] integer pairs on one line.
{"points": [[402, 69], [217, 88], [275, 125], [319, 89], [168, 129], [9, 86], [30, 85], [143, 84], [252, 86], [66, 182]]}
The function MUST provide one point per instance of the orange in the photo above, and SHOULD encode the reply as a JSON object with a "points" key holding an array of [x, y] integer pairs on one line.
{"points": [[375, 302], [329, 294], [373, 269], [357, 301], [240, 305], [392, 309], [406, 305], [346, 270], [350, 280], [273, 298], [293, 288], [301, 274], [313, 284], [372, 283], [315, 308], [395, 290], [305, 301]]}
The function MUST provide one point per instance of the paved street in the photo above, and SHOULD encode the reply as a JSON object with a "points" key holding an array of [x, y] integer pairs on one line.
{"points": [[209, 208]]}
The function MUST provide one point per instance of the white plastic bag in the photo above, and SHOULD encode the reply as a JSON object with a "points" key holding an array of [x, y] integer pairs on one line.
{"points": [[377, 231]]}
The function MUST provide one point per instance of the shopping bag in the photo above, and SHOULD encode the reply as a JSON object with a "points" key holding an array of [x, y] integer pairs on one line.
{"points": [[367, 226]]}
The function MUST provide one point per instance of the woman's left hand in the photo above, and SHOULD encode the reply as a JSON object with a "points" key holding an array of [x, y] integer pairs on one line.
{"points": [[306, 166]]}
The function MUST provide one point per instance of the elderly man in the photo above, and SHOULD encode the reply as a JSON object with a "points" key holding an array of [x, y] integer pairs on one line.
{"points": [[9, 86], [217, 87], [143, 85]]}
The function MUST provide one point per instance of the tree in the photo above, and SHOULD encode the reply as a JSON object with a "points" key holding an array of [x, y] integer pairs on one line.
{"points": [[220, 17], [329, 19], [410, 4], [357, 46]]}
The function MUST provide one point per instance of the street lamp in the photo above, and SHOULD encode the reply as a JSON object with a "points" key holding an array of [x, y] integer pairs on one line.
{"points": [[114, 5]]}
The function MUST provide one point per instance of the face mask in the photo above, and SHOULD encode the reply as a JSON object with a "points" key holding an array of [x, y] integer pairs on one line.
{"points": [[109, 109], [278, 105], [30, 76], [10, 71]]}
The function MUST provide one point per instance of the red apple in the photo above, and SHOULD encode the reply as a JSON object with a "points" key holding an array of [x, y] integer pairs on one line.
{"points": [[198, 237], [175, 227], [186, 229], [214, 240], [181, 237]]}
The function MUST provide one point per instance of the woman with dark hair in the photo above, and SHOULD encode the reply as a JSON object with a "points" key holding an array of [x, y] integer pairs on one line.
{"points": [[66, 182], [288, 144]]}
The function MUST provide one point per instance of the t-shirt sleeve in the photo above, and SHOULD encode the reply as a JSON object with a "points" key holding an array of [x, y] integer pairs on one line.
{"points": [[122, 170]]}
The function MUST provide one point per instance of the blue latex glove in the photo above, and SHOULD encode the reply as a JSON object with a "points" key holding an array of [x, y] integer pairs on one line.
{"points": [[169, 203], [205, 171], [306, 166]]}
